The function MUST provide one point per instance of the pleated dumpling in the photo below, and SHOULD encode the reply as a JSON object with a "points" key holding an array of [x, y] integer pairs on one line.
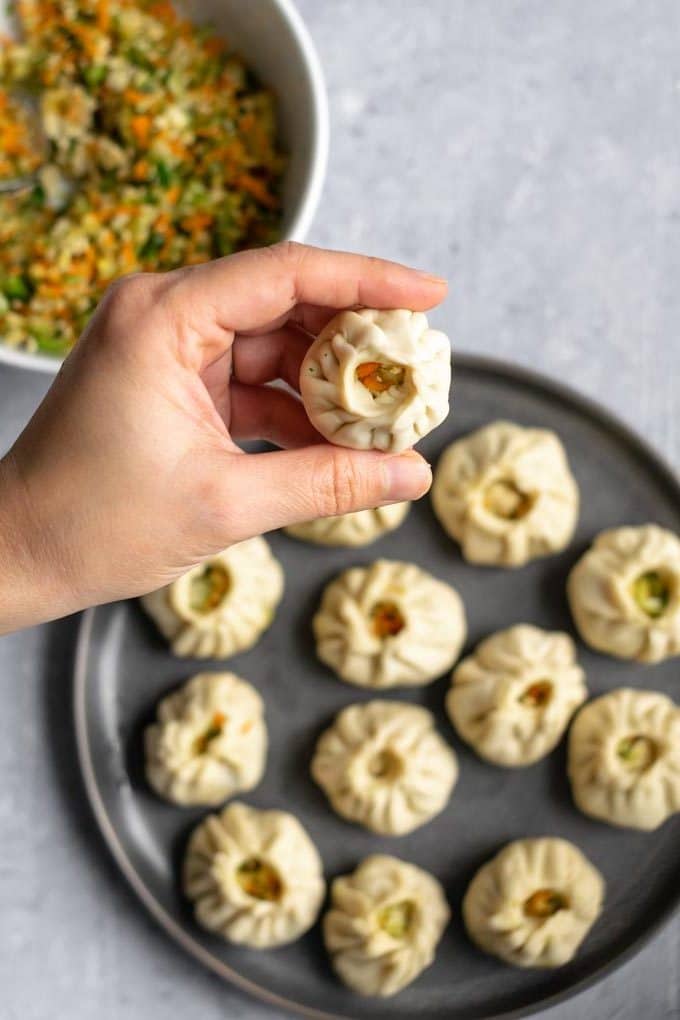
{"points": [[356, 529], [512, 699], [624, 593], [254, 877], [390, 624], [383, 764], [377, 379], [209, 740], [221, 606], [506, 494], [384, 924], [624, 758], [533, 904]]}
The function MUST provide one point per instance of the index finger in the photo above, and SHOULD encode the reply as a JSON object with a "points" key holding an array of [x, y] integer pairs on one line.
{"points": [[257, 289]]}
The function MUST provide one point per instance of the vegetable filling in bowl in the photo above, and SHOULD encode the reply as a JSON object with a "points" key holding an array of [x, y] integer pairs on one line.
{"points": [[158, 149]]}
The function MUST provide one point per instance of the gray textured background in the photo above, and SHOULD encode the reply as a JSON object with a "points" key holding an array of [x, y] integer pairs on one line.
{"points": [[528, 150]]}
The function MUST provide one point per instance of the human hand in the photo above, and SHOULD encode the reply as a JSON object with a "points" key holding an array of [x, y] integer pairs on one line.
{"points": [[129, 472]]}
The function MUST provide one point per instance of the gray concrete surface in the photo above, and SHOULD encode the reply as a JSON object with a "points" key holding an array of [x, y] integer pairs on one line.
{"points": [[528, 150]]}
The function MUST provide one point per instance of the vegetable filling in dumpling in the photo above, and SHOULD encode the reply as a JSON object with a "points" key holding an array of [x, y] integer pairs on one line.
{"points": [[209, 588]]}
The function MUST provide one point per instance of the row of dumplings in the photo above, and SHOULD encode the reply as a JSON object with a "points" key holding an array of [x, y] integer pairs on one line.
{"points": [[506, 494], [256, 879], [383, 765]]}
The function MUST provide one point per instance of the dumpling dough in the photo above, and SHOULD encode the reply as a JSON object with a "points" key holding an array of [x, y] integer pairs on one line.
{"points": [[385, 922], [221, 606], [377, 379], [625, 593], [506, 494], [209, 741], [359, 528], [389, 625], [254, 877], [534, 903], [624, 758], [513, 698], [382, 764]]}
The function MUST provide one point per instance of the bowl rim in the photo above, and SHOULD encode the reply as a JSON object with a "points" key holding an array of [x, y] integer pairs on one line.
{"points": [[311, 193]]}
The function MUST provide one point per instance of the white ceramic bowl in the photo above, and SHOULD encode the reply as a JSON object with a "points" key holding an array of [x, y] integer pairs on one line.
{"points": [[272, 38]]}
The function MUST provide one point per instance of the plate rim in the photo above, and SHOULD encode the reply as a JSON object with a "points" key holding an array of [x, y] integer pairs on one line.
{"points": [[516, 372]]}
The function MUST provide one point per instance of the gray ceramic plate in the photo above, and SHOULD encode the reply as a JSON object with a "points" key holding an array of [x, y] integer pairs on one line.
{"points": [[123, 668]]}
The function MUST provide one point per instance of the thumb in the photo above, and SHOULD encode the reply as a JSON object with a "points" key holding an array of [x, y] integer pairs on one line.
{"points": [[271, 490]]}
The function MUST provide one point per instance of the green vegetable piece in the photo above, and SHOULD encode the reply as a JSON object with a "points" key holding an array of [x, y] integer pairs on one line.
{"points": [[637, 752], [397, 918], [151, 246], [94, 75], [164, 174], [652, 593], [16, 288]]}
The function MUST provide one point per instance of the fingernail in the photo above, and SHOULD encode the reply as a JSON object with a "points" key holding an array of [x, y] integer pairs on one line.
{"points": [[408, 476]]}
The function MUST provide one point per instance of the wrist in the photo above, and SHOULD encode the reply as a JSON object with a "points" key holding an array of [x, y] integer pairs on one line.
{"points": [[32, 588]]}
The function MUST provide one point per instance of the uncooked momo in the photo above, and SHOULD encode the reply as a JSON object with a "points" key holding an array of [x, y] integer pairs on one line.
{"points": [[506, 494], [513, 698], [624, 758], [209, 740], [377, 379], [533, 904], [221, 606], [254, 877], [382, 764], [624, 593], [390, 624], [355, 529], [385, 922]]}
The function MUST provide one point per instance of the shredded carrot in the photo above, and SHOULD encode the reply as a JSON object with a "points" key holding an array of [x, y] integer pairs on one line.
{"points": [[141, 129], [258, 189]]}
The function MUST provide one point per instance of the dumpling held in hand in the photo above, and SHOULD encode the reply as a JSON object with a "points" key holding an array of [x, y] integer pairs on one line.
{"points": [[377, 379]]}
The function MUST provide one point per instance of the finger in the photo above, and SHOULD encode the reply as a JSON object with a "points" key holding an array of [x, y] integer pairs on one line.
{"points": [[264, 491], [277, 355], [252, 288], [310, 318], [263, 412]]}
